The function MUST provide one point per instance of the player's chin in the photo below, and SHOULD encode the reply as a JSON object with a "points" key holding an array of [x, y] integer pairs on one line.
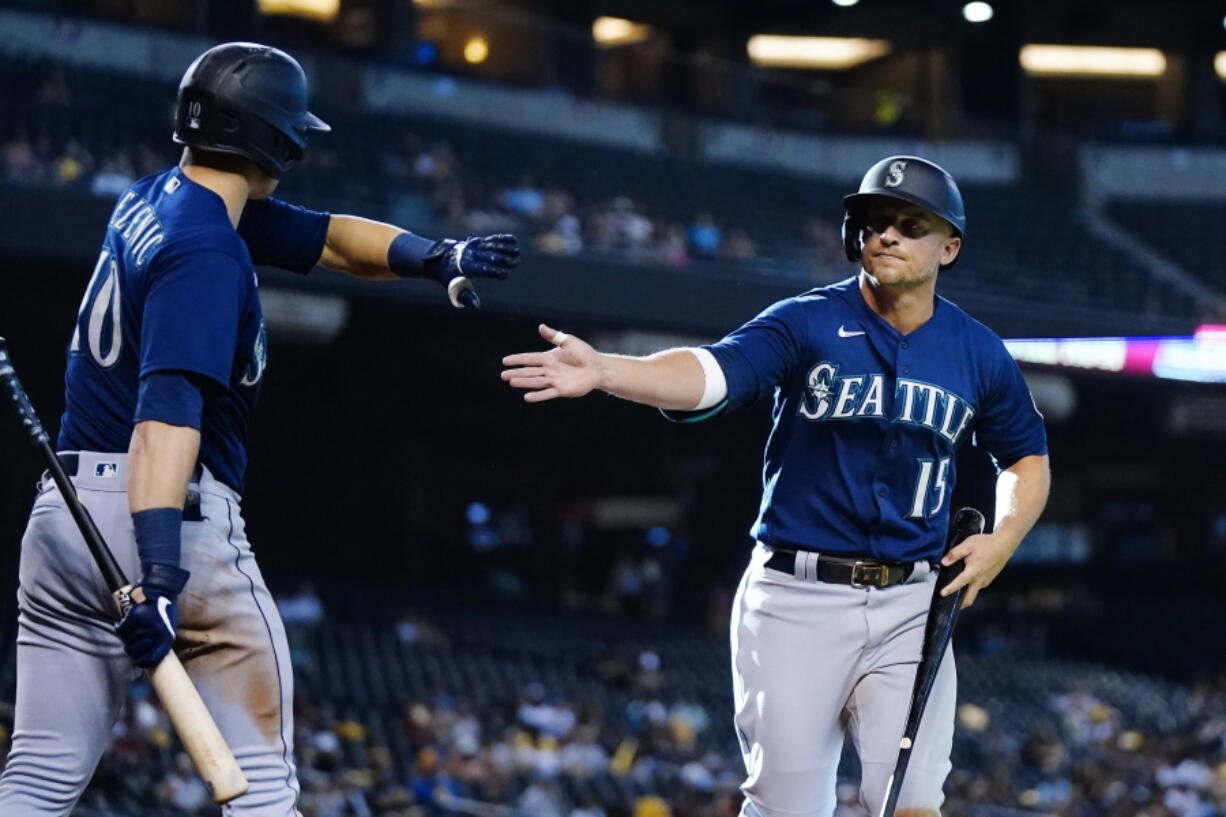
{"points": [[888, 270]]}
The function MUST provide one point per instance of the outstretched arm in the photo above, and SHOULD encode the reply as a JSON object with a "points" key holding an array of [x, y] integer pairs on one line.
{"points": [[673, 379], [376, 251], [358, 247]]}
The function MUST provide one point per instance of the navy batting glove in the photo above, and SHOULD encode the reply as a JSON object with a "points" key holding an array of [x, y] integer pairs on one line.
{"points": [[147, 630], [491, 256]]}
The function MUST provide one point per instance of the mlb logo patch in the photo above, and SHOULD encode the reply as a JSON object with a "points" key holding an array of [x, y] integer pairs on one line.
{"points": [[106, 470]]}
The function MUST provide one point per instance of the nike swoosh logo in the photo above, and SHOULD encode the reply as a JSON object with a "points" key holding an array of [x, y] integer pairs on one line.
{"points": [[163, 606], [843, 333]]}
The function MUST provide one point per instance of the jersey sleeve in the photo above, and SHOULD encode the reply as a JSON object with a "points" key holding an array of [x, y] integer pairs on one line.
{"points": [[1009, 426], [755, 358], [283, 235], [191, 314]]}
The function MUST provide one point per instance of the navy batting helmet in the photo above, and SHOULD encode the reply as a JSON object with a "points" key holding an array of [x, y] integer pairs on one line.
{"points": [[248, 100], [910, 179]]}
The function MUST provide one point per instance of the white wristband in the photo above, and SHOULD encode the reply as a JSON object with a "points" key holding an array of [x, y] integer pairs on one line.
{"points": [[715, 386]]}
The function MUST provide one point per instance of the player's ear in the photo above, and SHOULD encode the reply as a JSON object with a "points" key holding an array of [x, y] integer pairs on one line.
{"points": [[950, 250]]}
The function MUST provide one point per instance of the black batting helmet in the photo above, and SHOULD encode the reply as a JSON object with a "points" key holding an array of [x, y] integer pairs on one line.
{"points": [[910, 179], [249, 100]]}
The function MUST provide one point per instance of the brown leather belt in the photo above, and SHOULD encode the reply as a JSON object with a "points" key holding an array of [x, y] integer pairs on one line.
{"points": [[838, 570]]}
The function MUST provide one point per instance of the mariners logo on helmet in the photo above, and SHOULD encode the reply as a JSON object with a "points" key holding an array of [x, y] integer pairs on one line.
{"points": [[895, 175], [906, 178]]}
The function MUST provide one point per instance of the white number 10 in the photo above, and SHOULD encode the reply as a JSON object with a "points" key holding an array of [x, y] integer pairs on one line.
{"points": [[102, 296], [924, 484]]}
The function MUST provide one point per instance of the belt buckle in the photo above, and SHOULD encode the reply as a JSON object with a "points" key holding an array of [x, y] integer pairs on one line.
{"points": [[861, 572]]}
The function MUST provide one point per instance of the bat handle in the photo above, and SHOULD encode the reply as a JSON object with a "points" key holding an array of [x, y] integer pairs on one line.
{"points": [[461, 293], [29, 418]]}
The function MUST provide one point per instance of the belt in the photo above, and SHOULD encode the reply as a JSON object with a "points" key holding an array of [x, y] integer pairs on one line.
{"points": [[71, 463], [837, 570]]}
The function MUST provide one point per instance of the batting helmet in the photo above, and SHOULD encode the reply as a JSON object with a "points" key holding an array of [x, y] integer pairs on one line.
{"points": [[910, 179], [248, 100]]}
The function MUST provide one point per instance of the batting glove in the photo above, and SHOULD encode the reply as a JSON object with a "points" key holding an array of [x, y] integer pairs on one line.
{"points": [[491, 256], [147, 629]]}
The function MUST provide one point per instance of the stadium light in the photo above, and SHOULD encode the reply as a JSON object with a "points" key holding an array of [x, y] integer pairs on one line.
{"points": [[1219, 64], [831, 53], [1092, 61], [476, 50], [977, 12], [613, 31], [323, 10]]}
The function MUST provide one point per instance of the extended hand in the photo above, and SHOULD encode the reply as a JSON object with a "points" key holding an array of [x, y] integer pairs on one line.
{"points": [[572, 369], [984, 557], [491, 256]]}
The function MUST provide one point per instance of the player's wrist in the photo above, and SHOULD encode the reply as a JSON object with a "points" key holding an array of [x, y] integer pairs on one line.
{"points": [[606, 372], [163, 579], [159, 538], [412, 256]]}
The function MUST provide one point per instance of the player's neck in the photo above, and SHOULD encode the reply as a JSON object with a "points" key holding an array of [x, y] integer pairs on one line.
{"points": [[906, 308], [233, 188]]}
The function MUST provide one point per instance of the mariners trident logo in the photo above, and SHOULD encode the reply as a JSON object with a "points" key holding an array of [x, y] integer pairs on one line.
{"points": [[259, 359], [895, 175]]}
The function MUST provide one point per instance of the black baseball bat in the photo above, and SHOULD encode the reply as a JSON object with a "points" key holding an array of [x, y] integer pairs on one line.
{"points": [[199, 733], [111, 571], [942, 616]]}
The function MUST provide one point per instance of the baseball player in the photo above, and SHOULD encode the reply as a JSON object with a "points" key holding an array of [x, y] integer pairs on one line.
{"points": [[163, 372], [876, 382]]}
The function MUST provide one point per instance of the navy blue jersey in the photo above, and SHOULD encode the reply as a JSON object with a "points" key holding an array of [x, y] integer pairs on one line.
{"points": [[175, 290], [867, 420]]}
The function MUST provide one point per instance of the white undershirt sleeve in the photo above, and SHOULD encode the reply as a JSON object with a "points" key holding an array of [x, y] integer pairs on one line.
{"points": [[715, 386]]}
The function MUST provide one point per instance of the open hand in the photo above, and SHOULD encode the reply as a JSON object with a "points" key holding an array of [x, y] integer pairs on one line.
{"points": [[571, 369]]}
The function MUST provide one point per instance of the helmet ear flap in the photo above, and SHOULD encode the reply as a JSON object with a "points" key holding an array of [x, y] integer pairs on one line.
{"points": [[853, 226]]}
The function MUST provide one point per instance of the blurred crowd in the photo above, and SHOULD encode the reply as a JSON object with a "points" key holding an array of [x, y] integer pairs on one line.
{"points": [[558, 224], [106, 173], [531, 752], [1087, 760], [31, 157], [550, 216]]}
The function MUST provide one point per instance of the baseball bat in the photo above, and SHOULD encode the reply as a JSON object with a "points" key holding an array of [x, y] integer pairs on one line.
{"points": [[942, 616], [191, 719]]}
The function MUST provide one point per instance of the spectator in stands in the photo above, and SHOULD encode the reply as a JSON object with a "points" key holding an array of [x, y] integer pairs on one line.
{"points": [[182, 788], [21, 163], [565, 237], [541, 799], [630, 230], [740, 246], [651, 806], [436, 165], [526, 199], [824, 248], [303, 609], [113, 176], [399, 162], [72, 165], [703, 236], [412, 628], [587, 808], [672, 249]]}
